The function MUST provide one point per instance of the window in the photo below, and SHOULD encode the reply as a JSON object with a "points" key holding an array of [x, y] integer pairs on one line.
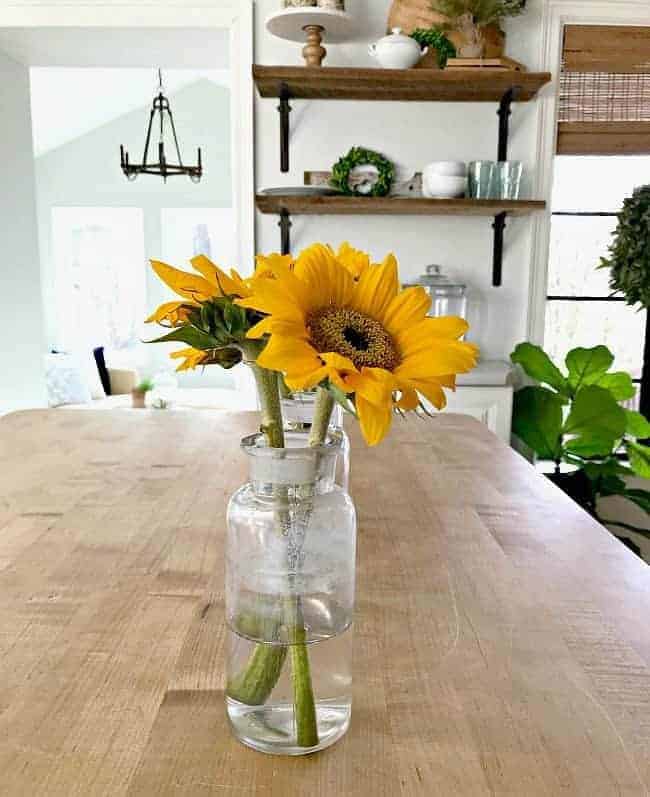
{"points": [[581, 311], [603, 146], [99, 278], [200, 231]]}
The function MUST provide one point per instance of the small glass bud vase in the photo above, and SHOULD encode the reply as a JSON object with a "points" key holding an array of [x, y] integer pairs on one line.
{"points": [[298, 416], [290, 574]]}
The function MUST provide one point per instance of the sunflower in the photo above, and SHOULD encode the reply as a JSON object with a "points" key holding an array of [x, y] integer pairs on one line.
{"points": [[364, 336]]}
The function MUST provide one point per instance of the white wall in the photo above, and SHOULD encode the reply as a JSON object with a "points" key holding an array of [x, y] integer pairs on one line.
{"points": [[412, 134], [21, 354], [86, 172]]}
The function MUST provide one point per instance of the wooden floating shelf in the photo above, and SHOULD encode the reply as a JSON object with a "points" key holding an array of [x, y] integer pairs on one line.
{"points": [[393, 206], [416, 85]]}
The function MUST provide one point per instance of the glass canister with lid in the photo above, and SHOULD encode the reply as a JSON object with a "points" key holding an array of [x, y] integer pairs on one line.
{"points": [[448, 296]]}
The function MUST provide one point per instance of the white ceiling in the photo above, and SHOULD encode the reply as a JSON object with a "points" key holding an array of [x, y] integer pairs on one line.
{"points": [[68, 103], [183, 48]]}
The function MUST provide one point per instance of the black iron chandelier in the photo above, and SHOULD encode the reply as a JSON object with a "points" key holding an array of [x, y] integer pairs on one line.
{"points": [[162, 167]]}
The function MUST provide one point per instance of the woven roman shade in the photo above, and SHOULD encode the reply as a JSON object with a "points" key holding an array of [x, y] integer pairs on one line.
{"points": [[605, 91]]}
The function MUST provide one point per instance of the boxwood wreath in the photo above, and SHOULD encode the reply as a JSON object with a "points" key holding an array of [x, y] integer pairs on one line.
{"points": [[358, 156], [629, 260]]}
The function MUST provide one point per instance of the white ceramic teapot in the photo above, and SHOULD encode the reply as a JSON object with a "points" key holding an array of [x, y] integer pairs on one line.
{"points": [[397, 51]]}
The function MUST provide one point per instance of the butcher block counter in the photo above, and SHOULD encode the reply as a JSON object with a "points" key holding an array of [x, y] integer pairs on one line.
{"points": [[502, 637]]}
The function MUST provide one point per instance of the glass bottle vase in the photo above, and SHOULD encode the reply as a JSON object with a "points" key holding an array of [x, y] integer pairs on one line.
{"points": [[298, 415], [290, 573]]}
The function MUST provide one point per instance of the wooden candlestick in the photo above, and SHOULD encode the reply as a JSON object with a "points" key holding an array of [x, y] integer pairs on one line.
{"points": [[314, 52]]}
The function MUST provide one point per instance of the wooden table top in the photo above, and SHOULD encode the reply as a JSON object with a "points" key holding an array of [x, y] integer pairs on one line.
{"points": [[502, 642]]}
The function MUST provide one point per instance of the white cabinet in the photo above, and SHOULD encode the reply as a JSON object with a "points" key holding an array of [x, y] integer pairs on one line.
{"points": [[490, 405]]}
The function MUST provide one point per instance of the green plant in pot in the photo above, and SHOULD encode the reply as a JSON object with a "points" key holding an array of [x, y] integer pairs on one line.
{"points": [[139, 393], [440, 47], [629, 254], [575, 418], [471, 17]]}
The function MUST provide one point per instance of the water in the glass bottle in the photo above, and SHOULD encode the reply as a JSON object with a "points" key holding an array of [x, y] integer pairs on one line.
{"points": [[271, 727]]}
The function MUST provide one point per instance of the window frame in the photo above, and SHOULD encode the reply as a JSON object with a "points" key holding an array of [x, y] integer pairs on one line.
{"points": [[644, 381]]}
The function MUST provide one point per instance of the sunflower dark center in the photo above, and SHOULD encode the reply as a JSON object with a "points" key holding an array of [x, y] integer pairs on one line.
{"points": [[354, 335], [356, 339]]}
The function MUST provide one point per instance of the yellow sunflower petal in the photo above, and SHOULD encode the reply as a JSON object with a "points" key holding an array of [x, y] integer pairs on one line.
{"points": [[271, 263], [354, 260], [439, 359], [431, 389], [374, 420], [306, 381], [338, 367], [191, 358], [373, 384], [225, 285], [408, 308], [166, 312], [409, 400], [327, 281], [289, 356], [377, 288], [270, 324], [189, 286], [444, 328], [287, 299]]}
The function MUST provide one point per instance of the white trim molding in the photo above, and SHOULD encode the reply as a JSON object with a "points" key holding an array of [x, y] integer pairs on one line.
{"points": [[235, 15], [557, 14]]}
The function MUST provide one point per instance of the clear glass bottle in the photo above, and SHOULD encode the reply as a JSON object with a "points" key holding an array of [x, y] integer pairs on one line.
{"points": [[298, 415], [290, 573], [448, 297]]}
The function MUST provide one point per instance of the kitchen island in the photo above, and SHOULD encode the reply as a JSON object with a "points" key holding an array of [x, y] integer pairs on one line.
{"points": [[501, 635]]}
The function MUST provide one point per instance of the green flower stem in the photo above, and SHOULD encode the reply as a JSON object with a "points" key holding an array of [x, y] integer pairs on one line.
{"points": [[322, 417], [267, 389], [303, 693], [254, 684]]}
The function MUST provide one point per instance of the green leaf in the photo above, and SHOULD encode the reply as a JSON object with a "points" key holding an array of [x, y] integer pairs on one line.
{"points": [[588, 366], [590, 445], [192, 336], [639, 459], [538, 365], [235, 318], [639, 497], [227, 358], [595, 421], [636, 425], [619, 384], [537, 420]]}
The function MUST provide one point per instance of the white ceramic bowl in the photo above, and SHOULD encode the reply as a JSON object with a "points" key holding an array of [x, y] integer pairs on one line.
{"points": [[446, 168], [437, 186]]}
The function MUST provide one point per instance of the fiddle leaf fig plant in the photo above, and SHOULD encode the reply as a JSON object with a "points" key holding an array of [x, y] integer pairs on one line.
{"points": [[575, 417], [629, 254]]}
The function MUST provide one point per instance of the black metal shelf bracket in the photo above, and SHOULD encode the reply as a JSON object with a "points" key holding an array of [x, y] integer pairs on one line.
{"points": [[284, 110], [497, 257], [504, 112], [285, 231]]}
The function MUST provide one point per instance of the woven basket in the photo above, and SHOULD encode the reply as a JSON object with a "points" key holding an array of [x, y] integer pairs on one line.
{"points": [[411, 14]]}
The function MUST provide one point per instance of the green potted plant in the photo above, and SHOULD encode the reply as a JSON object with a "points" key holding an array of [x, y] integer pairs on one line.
{"points": [[629, 253], [471, 17], [575, 419], [139, 393], [440, 47]]}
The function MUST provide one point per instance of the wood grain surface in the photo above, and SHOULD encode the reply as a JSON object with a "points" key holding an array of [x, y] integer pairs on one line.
{"points": [[501, 648], [394, 206], [408, 85]]}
